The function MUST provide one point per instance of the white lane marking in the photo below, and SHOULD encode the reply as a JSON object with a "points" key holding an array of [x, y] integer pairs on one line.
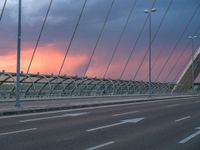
{"points": [[190, 137], [100, 146], [127, 113], [75, 114], [173, 105], [54, 117], [19, 131], [136, 120], [184, 118], [97, 107]]}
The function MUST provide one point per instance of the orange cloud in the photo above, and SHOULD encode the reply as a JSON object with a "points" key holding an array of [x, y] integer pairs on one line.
{"points": [[8, 62], [47, 60], [49, 57], [74, 64]]}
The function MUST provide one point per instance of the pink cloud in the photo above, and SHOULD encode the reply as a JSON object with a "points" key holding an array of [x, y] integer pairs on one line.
{"points": [[48, 60]]}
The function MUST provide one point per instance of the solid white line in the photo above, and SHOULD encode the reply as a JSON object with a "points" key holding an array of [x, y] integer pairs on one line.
{"points": [[91, 108], [106, 126], [184, 118], [127, 113], [54, 117], [189, 137], [173, 105], [100, 146], [19, 131], [41, 113], [75, 114], [39, 119]]}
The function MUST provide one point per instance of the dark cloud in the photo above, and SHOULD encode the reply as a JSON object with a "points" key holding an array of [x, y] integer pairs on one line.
{"points": [[63, 17]]}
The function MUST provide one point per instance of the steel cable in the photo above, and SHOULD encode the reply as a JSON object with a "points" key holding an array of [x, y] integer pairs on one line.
{"points": [[179, 57], [155, 35], [120, 38], [39, 37], [3, 9], [72, 38], [99, 37], [135, 44], [176, 44]]}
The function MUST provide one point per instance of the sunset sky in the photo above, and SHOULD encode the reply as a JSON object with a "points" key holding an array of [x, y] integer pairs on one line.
{"points": [[60, 25]]}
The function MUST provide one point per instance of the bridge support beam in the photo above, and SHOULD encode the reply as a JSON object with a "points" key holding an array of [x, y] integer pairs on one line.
{"points": [[184, 82]]}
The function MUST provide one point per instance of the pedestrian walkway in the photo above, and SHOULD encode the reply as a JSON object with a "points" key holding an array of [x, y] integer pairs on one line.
{"points": [[28, 106]]}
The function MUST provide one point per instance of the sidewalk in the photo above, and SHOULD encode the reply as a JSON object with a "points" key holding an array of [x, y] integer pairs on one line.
{"points": [[29, 106]]}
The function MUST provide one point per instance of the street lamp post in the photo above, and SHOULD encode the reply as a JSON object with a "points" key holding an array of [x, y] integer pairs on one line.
{"points": [[18, 58], [149, 15], [193, 64]]}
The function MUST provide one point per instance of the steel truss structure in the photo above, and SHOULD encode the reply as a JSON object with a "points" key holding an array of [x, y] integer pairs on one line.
{"points": [[40, 85]]}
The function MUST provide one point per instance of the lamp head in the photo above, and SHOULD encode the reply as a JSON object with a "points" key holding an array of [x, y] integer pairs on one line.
{"points": [[146, 11], [192, 37], [189, 37], [153, 10]]}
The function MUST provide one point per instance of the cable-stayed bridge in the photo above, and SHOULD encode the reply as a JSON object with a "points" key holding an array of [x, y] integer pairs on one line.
{"points": [[59, 84], [99, 74]]}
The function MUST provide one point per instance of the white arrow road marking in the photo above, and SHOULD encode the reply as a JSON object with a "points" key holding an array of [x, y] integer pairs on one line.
{"points": [[19, 131], [53, 117], [136, 120], [127, 113], [184, 118], [100, 146], [190, 137]]}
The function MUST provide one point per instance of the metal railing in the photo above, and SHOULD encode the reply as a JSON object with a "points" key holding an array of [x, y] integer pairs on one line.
{"points": [[38, 85]]}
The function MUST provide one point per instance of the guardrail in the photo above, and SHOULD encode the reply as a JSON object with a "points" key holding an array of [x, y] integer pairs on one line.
{"points": [[38, 86]]}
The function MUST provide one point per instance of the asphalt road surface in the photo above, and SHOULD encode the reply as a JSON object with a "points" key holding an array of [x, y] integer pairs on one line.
{"points": [[172, 124]]}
